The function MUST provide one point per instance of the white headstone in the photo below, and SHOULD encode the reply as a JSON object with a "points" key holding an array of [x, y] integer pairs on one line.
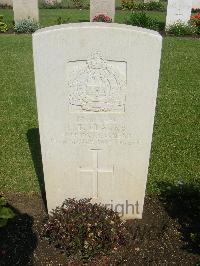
{"points": [[96, 86], [196, 4], [106, 7], [25, 9], [178, 11], [6, 2]]}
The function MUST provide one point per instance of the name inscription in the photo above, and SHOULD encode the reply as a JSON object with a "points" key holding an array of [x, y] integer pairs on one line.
{"points": [[92, 131]]}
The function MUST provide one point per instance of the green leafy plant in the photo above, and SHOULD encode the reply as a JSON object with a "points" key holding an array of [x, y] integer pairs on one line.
{"points": [[141, 19], [3, 25], [84, 229], [131, 5], [26, 26], [195, 10], [180, 29], [155, 6], [5, 213]]}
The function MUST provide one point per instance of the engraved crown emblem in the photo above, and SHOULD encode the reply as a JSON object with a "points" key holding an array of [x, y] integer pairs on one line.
{"points": [[96, 62], [97, 87]]}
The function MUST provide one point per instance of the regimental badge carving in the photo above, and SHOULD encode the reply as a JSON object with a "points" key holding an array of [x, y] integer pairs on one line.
{"points": [[97, 86]]}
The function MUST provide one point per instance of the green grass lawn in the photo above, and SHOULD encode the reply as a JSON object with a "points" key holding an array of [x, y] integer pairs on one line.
{"points": [[48, 17], [175, 149], [70, 4]]}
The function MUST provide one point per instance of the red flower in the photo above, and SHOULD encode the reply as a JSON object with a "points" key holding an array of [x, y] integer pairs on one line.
{"points": [[196, 16], [102, 18]]}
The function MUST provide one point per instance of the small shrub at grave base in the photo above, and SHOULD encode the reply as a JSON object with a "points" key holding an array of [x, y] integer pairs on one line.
{"points": [[181, 29], [26, 26], [141, 19], [194, 10], [102, 18], [3, 25], [5, 213], [152, 6], [195, 20], [82, 229]]}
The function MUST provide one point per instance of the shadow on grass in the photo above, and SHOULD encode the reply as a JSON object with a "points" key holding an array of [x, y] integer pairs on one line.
{"points": [[33, 137], [182, 202], [17, 240]]}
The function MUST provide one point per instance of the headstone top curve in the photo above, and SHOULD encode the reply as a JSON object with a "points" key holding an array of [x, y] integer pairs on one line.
{"points": [[96, 25]]}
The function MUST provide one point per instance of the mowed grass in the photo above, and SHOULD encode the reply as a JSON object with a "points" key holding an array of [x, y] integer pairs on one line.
{"points": [[18, 113], [48, 17], [175, 152], [175, 156]]}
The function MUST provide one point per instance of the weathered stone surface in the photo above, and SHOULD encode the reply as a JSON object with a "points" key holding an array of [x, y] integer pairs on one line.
{"points": [[96, 87], [24, 9]]}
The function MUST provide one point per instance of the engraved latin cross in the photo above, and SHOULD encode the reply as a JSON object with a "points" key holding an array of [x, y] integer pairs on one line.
{"points": [[96, 170], [179, 12]]}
